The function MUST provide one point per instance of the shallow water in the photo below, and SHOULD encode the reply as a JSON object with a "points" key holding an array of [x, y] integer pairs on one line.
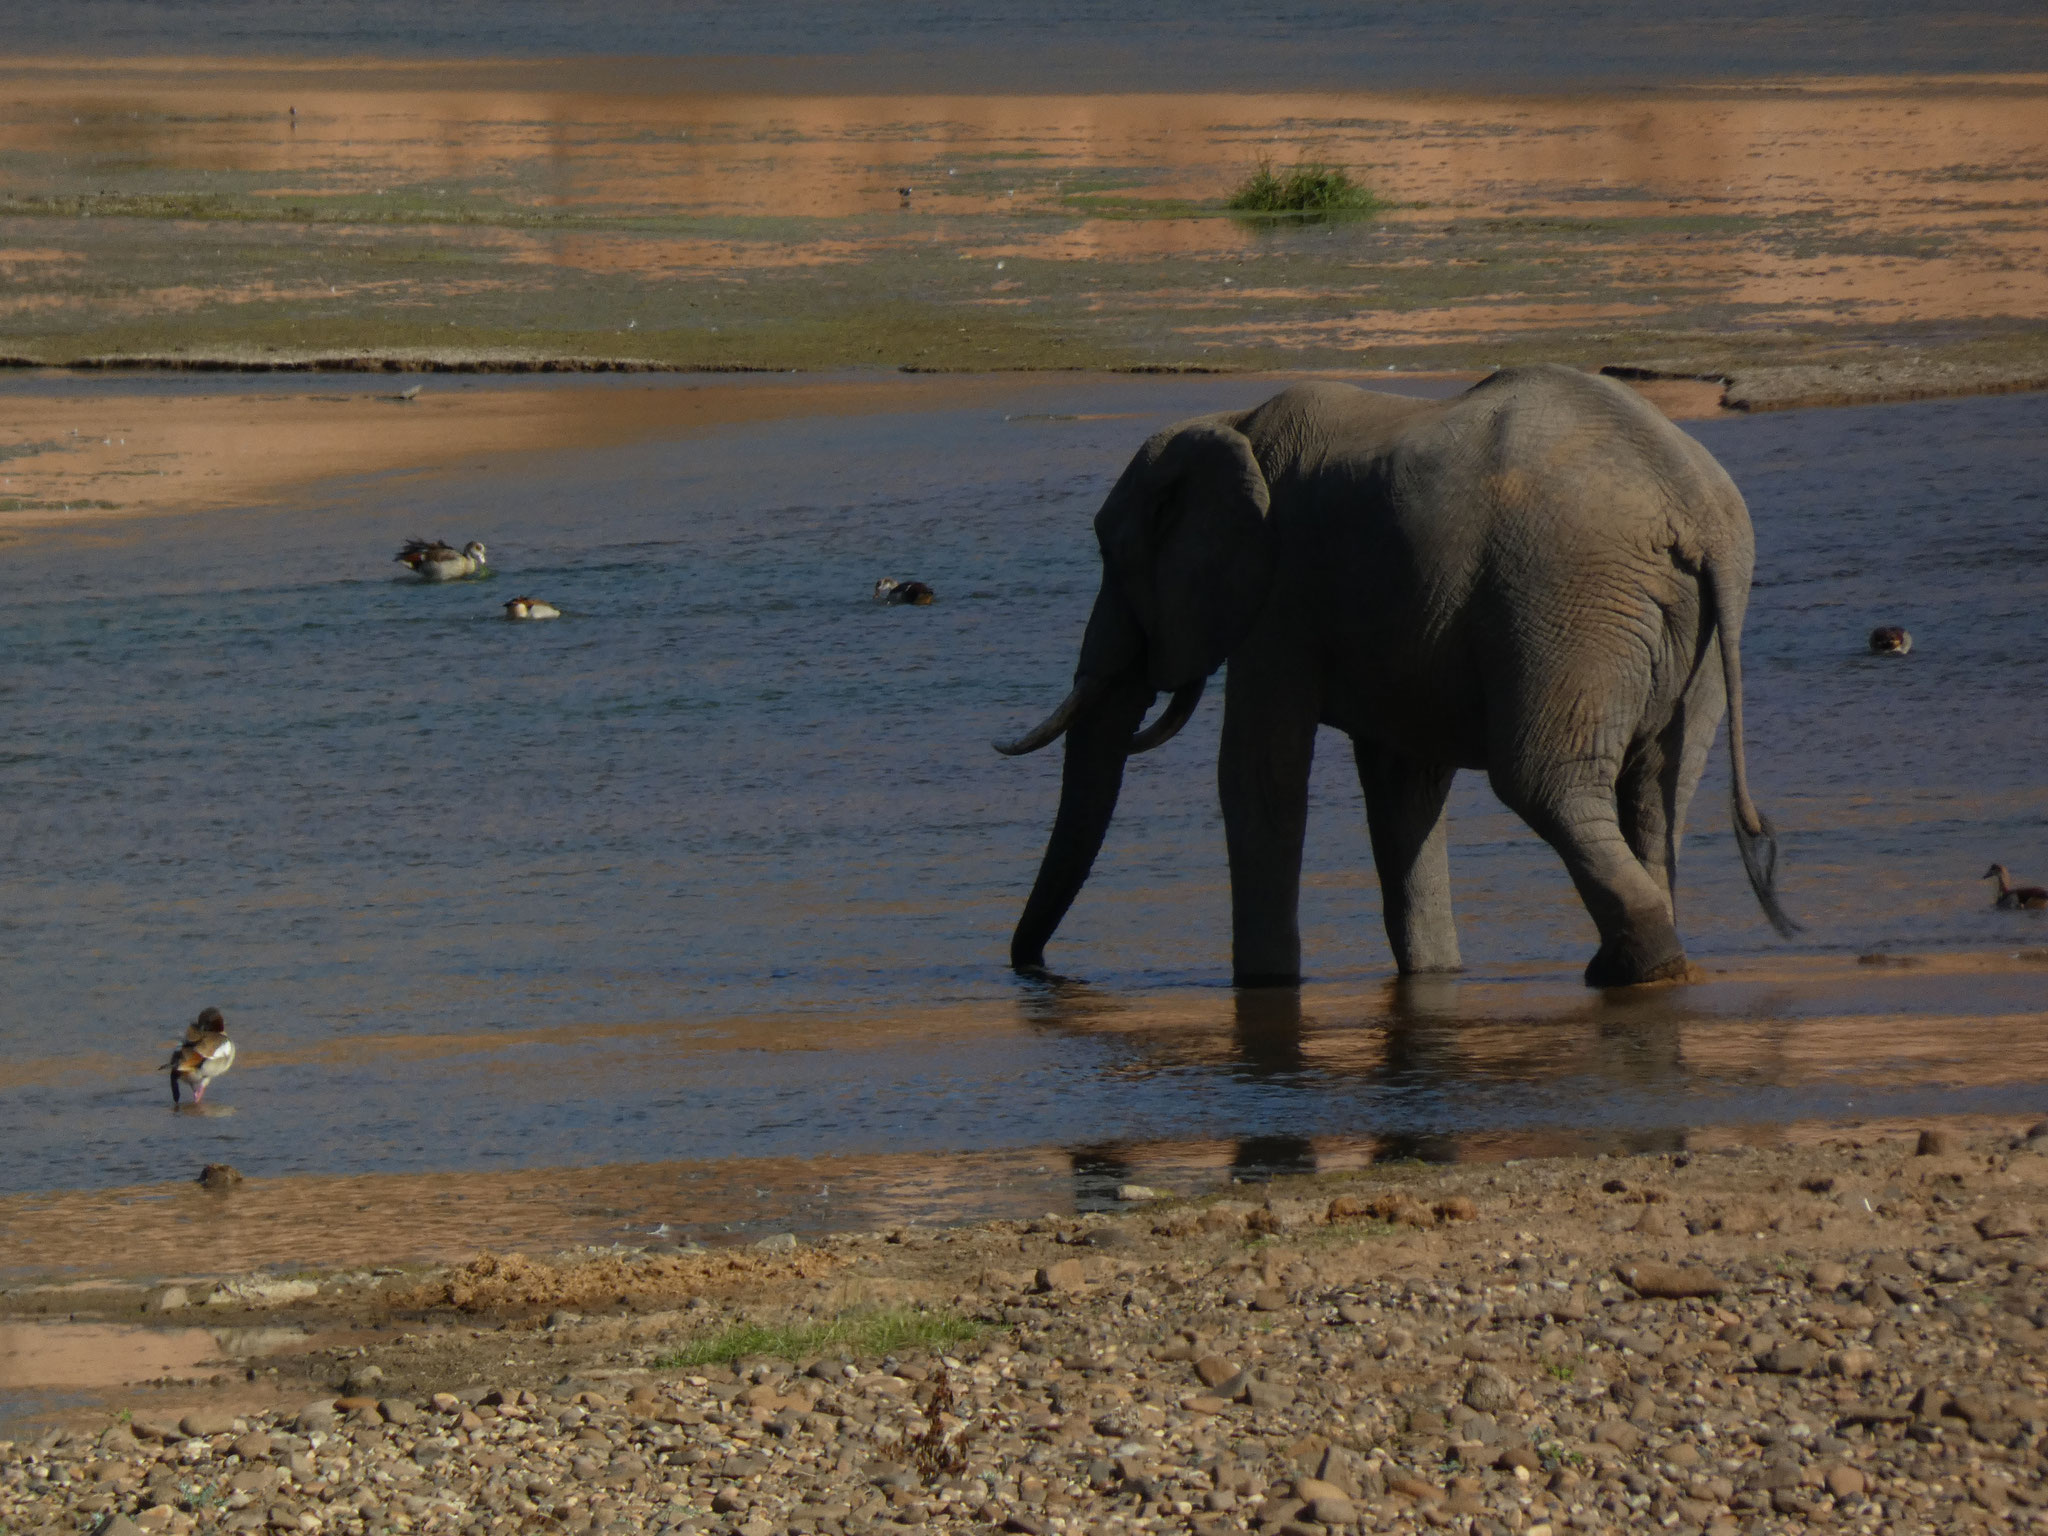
{"points": [[1067, 44], [721, 865]]}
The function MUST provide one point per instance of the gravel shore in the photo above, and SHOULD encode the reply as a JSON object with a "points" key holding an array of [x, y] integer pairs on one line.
{"points": [[1847, 1336]]}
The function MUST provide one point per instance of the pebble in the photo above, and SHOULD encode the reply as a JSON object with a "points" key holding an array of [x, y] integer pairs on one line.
{"points": [[1671, 1282], [1348, 1371]]}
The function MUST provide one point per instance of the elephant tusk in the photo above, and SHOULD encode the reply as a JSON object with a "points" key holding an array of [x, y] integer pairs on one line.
{"points": [[1056, 723], [1171, 719]]}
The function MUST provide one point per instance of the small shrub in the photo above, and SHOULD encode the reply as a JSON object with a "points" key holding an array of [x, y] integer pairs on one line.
{"points": [[1310, 188]]}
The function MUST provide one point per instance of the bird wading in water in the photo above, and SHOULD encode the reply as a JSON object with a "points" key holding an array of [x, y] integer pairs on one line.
{"points": [[204, 1054]]}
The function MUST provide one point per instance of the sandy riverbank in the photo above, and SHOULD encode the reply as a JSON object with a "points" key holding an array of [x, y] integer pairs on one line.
{"points": [[210, 213], [1848, 1333]]}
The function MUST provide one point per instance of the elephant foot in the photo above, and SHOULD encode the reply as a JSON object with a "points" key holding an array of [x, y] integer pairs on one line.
{"points": [[1621, 966], [1266, 979]]}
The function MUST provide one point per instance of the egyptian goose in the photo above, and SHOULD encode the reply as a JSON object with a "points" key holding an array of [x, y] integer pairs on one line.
{"points": [[437, 561], [531, 608], [897, 593], [2014, 897], [204, 1054], [1890, 640]]}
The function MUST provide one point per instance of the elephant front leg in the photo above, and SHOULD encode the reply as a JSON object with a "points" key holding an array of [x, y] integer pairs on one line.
{"points": [[1404, 807], [1269, 739]]}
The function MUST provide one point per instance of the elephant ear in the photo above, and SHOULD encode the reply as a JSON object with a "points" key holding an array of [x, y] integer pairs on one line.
{"points": [[1184, 540]]}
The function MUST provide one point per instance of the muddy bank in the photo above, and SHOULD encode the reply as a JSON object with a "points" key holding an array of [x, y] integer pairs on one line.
{"points": [[1683, 389], [1854, 378], [1708, 1341]]}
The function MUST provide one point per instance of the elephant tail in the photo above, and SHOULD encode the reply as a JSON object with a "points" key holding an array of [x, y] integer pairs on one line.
{"points": [[1754, 835]]}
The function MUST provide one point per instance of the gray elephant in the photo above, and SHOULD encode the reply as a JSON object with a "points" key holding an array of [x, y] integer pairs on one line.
{"points": [[1542, 578]]}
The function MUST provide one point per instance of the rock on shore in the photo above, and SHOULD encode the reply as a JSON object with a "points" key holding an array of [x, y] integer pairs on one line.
{"points": [[1844, 1337]]}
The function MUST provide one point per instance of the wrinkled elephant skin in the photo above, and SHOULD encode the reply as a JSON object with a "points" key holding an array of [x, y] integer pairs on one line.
{"points": [[1542, 579]]}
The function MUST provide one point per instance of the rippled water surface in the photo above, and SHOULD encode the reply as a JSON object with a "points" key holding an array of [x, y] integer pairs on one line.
{"points": [[721, 865], [1090, 44]]}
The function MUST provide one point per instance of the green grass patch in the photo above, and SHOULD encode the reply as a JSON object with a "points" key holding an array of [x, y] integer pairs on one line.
{"points": [[863, 1333], [1309, 189]]}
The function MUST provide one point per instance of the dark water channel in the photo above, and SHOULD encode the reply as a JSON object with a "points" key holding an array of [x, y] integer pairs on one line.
{"points": [[721, 865], [1062, 46]]}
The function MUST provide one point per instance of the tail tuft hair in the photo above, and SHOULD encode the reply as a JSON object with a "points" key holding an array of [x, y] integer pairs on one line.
{"points": [[1760, 859]]}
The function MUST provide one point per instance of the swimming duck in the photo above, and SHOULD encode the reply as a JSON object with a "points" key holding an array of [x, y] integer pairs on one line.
{"points": [[205, 1053], [531, 608], [2014, 897], [438, 561], [895, 593], [1890, 640]]}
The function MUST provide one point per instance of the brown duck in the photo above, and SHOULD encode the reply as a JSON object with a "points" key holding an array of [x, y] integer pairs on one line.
{"points": [[2012, 897], [899, 593], [204, 1054]]}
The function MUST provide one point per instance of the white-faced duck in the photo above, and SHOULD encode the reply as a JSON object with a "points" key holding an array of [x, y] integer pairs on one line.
{"points": [[1890, 640], [898, 593], [2012, 898], [531, 608], [203, 1055], [436, 560]]}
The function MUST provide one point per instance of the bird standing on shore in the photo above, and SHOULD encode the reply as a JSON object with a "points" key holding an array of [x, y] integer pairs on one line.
{"points": [[531, 608], [1890, 640], [2031, 898], [204, 1054], [435, 560], [898, 593]]}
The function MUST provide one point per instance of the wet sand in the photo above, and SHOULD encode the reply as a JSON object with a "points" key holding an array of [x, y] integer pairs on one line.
{"points": [[514, 214]]}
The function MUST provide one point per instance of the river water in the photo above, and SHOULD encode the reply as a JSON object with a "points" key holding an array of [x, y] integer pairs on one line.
{"points": [[1070, 45], [721, 865]]}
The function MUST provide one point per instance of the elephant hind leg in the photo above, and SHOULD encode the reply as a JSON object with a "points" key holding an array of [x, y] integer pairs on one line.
{"points": [[1632, 910], [1661, 774], [1404, 809]]}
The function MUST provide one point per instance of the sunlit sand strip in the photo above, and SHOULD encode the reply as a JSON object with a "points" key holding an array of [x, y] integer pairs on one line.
{"points": [[97, 458], [1919, 1008], [88, 458]]}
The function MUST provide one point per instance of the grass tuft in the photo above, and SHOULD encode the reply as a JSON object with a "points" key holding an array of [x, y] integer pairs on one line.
{"points": [[864, 1333], [1310, 189]]}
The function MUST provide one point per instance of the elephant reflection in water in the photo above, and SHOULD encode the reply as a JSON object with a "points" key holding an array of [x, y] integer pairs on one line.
{"points": [[1425, 1036], [1542, 579]]}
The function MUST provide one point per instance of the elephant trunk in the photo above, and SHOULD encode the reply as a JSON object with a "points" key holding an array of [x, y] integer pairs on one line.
{"points": [[1098, 743]]}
